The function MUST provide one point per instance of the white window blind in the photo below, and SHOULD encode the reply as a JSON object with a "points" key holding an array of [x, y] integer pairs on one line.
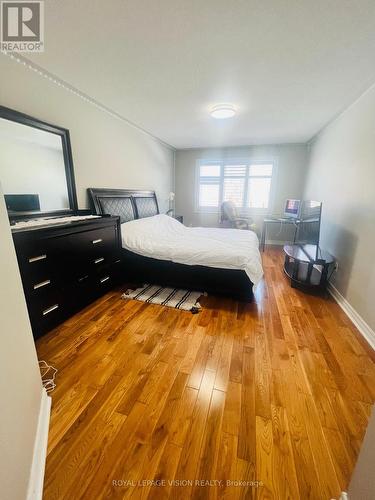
{"points": [[209, 195], [209, 185], [259, 185], [234, 183], [246, 184]]}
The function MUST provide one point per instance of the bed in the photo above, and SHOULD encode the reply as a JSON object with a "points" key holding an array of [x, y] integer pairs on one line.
{"points": [[158, 249]]}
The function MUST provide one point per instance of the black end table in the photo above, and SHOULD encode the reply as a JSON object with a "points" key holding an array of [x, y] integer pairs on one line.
{"points": [[308, 266]]}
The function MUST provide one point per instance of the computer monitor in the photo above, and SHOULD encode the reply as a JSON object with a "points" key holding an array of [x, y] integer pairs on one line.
{"points": [[22, 202], [292, 208]]}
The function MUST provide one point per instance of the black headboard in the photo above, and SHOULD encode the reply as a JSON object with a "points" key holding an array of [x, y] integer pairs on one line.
{"points": [[128, 204]]}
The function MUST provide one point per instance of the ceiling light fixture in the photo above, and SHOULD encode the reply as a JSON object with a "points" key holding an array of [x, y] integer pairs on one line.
{"points": [[222, 111]]}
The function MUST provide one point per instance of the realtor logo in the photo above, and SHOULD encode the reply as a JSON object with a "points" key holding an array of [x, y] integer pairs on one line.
{"points": [[22, 26]]}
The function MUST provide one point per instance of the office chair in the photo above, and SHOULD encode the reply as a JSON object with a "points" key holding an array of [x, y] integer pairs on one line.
{"points": [[230, 218]]}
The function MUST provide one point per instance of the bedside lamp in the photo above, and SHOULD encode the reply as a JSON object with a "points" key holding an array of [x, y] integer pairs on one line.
{"points": [[171, 197]]}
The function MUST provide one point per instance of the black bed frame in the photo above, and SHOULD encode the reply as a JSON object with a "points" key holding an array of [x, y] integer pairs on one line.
{"points": [[137, 204]]}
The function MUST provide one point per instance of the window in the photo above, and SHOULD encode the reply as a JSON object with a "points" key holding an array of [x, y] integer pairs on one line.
{"points": [[247, 184], [259, 185], [234, 183], [209, 185]]}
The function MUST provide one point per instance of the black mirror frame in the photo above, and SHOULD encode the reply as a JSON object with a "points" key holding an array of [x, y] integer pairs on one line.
{"points": [[16, 116]]}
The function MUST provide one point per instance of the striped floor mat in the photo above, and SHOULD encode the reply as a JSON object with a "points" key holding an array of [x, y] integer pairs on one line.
{"points": [[170, 297]]}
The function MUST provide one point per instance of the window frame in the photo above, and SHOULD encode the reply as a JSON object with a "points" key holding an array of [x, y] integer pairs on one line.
{"points": [[236, 161]]}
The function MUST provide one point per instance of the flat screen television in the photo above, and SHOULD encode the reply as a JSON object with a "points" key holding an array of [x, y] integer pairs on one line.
{"points": [[308, 226]]}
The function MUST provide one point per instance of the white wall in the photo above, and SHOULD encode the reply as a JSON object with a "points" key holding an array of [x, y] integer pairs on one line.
{"points": [[362, 483], [107, 152], [290, 160], [20, 383], [342, 175]]}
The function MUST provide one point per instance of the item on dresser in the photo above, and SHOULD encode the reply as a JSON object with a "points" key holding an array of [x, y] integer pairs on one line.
{"points": [[50, 221], [64, 267]]}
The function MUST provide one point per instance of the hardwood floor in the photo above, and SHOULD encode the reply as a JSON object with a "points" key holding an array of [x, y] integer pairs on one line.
{"points": [[272, 396]]}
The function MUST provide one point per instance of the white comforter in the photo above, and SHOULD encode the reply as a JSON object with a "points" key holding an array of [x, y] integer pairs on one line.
{"points": [[164, 238]]}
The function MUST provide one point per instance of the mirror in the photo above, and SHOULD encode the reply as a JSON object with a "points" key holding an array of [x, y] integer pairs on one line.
{"points": [[36, 171]]}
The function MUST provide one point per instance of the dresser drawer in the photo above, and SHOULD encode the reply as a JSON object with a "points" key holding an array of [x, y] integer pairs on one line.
{"points": [[40, 279], [41, 261], [46, 311], [44, 299], [80, 291], [44, 324], [87, 251], [93, 244], [40, 287], [104, 280], [101, 262], [90, 286], [36, 266]]}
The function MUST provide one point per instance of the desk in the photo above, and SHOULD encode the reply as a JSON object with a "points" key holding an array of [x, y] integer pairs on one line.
{"points": [[274, 220]]}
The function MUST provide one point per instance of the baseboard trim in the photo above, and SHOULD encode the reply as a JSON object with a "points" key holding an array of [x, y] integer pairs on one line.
{"points": [[35, 489], [366, 331]]}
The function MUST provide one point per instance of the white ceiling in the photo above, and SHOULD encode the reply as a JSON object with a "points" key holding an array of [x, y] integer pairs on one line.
{"points": [[288, 65]]}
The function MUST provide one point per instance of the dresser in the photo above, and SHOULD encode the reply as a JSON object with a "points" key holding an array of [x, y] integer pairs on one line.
{"points": [[66, 266]]}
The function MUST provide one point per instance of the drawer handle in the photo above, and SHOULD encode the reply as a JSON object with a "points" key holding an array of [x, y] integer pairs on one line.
{"points": [[39, 257], [41, 284], [117, 261], [83, 278], [104, 279], [97, 261], [94, 242], [50, 309]]}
